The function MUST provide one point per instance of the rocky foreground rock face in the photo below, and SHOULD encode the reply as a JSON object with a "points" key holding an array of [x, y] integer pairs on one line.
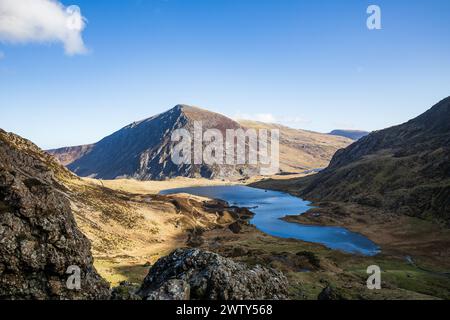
{"points": [[39, 239], [199, 275]]}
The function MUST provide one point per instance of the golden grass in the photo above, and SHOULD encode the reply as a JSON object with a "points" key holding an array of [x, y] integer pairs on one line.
{"points": [[125, 248], [130, 226], [301, 149], [154, 187]]}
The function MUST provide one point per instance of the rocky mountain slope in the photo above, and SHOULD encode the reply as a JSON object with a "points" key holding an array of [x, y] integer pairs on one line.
{"points": [[351, 134], [38, 234], [405, 169], [142, 150]]}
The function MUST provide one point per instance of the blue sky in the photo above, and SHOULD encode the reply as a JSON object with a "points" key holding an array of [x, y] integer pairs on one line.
{"points": [[308, 64]]}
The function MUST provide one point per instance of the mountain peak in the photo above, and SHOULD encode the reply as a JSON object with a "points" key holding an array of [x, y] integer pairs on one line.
{"points": [[189, 108], [142, 150], [183, 106], [211, 119]]}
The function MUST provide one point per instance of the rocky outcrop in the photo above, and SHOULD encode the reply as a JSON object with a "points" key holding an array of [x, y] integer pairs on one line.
{"points": [[39, 239], [200, 275]]}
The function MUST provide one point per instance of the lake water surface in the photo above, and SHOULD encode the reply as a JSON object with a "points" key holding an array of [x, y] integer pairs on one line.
{"points": [[270, 206]]}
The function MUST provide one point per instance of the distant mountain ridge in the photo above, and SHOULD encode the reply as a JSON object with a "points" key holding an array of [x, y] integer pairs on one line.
{"points": [[405, 168], [69, 155], [302, 150], [142, 150], [351, 134]]}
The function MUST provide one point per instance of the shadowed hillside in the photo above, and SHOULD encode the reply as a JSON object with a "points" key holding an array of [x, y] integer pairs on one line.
{"points": [[405, 169], [142, 150]]}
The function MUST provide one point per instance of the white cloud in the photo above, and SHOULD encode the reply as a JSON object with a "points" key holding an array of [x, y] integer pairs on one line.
{"points": [[265, 117], [42, 21], [2, 55]]}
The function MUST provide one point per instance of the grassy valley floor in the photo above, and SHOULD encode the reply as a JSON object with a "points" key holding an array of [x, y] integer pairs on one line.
{"points": [[131, 227], [311, 268], [415, 253]]}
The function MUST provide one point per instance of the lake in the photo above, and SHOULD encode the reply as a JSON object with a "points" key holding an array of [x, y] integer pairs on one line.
{"points": [[270, 206]]}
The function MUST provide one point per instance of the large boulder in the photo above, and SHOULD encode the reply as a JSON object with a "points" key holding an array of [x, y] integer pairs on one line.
{"points": [[39, 239], [199, 275]]}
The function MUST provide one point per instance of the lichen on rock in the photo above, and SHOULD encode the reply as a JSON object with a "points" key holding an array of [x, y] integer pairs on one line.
{"points": [[201, 275], [39, 238]]}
